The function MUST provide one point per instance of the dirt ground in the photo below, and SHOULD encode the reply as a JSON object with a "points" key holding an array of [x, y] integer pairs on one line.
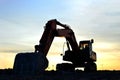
{"points": [[54, 75]]}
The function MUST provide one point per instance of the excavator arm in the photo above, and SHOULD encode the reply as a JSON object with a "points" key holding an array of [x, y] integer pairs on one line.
{"points": [[50, 32]]}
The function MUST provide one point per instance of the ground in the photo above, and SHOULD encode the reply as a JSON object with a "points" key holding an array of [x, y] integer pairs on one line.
{"points": [[55, 75]]}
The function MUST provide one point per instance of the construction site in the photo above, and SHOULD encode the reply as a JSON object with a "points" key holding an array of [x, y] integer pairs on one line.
{"points": [[32, 65]]}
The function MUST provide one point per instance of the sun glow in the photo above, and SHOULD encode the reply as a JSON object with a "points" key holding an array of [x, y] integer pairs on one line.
{"points": [[7, 60], [105, 56]]}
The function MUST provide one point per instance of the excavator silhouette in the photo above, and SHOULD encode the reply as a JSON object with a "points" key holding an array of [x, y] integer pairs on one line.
{"points": [[80, 55]]}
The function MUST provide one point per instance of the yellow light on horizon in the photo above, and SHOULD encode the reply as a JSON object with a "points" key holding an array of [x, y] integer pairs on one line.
{"points": [[105, 56], [7, 60]]}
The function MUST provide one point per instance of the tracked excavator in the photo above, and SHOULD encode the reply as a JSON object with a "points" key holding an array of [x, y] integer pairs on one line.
{"points": [[80, 55]]}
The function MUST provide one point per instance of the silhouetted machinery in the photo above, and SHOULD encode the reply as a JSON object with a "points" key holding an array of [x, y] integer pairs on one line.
{"points": [[80, 55]]}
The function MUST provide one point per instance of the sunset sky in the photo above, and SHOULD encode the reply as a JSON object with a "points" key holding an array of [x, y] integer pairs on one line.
{"points": [[22, 24]]}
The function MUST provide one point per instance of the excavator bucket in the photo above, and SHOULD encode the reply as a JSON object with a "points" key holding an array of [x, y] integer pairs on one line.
{"points": [[30, 63]]}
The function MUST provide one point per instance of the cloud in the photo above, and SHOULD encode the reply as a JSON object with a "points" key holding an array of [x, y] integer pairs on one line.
{"points": [[99, 18]]}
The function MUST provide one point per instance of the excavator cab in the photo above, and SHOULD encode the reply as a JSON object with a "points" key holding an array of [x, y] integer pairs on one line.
{"points": [[85, 57], [86, 48]]}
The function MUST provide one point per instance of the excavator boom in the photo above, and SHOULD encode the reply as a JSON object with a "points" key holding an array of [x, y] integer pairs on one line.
{"points": [[51, 31]]}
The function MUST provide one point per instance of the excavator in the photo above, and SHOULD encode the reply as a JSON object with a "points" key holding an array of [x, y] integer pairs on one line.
{"points": [[75, 56]]}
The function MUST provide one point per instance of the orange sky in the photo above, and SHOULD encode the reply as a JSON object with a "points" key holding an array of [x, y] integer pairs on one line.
{"points": [[106, 60]]}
